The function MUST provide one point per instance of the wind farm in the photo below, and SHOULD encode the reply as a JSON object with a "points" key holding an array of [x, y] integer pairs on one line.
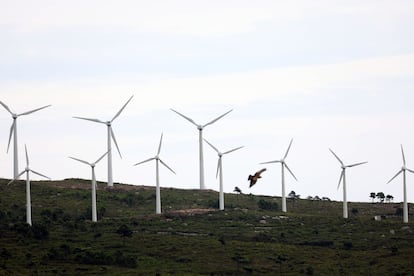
{"points": [[196, 95]]}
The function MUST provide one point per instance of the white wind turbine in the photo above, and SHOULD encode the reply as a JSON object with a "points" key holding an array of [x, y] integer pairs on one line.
{"points": [[343, 178], [111, 136], [403, 170], [27, 170], [200, 141], [220, 169], [94, 214], [284, 165], [157, 176], [13, 132]]}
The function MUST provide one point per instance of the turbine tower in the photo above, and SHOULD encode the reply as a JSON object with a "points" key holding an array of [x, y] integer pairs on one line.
{"points": [[27, 170], [111, 136], [157, 176], [343, 178], [200, 141], [220, 169], [13, 132], [403, 171], [283, 165], [94, 186]]}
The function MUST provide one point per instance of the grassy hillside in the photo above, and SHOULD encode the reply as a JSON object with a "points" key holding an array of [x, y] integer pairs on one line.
{"points": [[191, 237]]}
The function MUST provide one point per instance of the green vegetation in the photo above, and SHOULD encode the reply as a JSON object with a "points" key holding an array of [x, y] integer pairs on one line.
{"points": [[192, 237]]}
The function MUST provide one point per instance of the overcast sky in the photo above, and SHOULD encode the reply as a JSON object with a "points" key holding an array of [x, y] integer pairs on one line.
{"points": [[330, 74]]}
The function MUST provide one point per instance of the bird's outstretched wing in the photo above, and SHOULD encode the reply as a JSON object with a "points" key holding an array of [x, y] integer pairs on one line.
{"points": [[258, 174], [253, 178]]}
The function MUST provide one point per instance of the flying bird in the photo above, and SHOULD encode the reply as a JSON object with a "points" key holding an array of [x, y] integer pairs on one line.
{"points": [[253, 178]]}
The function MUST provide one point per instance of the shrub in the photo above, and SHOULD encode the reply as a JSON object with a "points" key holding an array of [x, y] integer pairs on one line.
{"points": [[267, 205], [319, 243], [348, 245]]}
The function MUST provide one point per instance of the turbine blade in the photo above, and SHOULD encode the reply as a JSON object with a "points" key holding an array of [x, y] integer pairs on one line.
{"points": [[39, 174], [290, 144], [20, 174], [89, 119], [185, 117], [27, 156], [395, 176], [100, 158], [145, 161], [34, 110], [11, 133], [116, 144], [340, 179], [411, 171], [6, 107], [162, 162], [212, 146], [119, 112], [218, 118], [82, 161], [218, 167], [357, 164], [287, 167], [403, 156], [270, 162], [336, 156], [159, 147], [233, 150]]}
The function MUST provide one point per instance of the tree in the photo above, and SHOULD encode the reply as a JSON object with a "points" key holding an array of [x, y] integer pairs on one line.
{"points": [[389, 198], [381, 196], [124, 232], [293, 196], [372, 196], [238, 191]]}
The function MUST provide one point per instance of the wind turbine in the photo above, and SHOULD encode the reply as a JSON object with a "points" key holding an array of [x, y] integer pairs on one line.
{"points": [[220, 169], [157, 176], [28, 200], [342, 177], [111, 136], [284, 165], [94, 186], [200, 141], [13, 132], [403, 170]]}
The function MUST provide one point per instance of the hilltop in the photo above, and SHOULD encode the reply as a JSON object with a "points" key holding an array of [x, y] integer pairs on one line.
{"points": [[191, 236]]}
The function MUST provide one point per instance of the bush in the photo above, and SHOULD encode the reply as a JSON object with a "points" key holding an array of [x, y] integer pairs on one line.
{"points": [[348, 245], [37, 231], [267, 205], [319, 243]]}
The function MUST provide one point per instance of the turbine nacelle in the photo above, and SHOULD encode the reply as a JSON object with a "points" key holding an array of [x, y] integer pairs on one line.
{"points": [[200, 127], [14, 116], [108, 123]]}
